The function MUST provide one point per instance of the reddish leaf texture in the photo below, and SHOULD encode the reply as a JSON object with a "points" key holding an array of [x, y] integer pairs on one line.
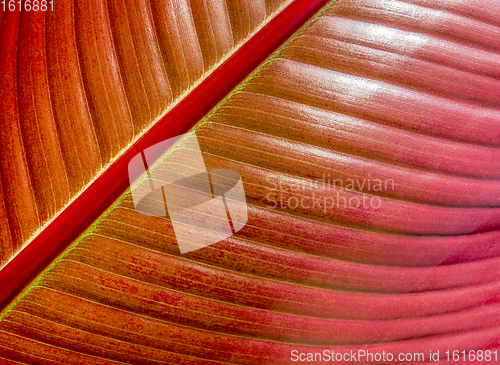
{"points": [[368, 146], [82, 81]]}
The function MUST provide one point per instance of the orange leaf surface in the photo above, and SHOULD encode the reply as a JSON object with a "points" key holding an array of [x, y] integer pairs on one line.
{"points": [[368, 149]]}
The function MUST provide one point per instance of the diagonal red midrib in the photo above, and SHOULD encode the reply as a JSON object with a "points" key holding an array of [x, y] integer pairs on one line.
{"points": [[88, 206]]}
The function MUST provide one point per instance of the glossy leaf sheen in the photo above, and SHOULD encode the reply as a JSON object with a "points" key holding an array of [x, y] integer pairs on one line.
{"points": [[418, 273]]}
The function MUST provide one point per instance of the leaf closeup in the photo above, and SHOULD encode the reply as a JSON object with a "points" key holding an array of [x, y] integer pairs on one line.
{"points": [[368, 148], [82, 82]]}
